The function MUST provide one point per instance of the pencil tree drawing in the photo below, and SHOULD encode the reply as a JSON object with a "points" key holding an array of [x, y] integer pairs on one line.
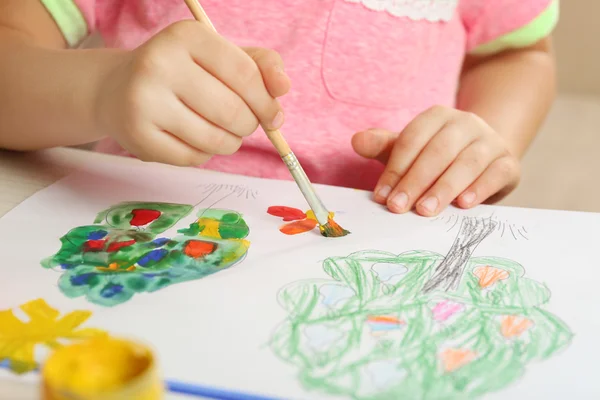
{"points": [[126, 250], [418, 325]]}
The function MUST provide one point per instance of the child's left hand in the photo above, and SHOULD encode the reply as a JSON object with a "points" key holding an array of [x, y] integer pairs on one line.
{"points": [[443, 155]]}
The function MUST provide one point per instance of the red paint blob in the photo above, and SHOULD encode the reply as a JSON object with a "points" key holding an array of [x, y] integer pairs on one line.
{"points": [[143, 217], [198, 248], [94, 245], [287, 213], [116, 246]]}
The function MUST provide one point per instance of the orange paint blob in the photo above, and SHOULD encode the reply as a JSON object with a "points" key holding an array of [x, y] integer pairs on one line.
{"points": [[454, 359], [296, 227], [287, 213], [513, 326], [384, 319], [489, 275], [198, 248]]}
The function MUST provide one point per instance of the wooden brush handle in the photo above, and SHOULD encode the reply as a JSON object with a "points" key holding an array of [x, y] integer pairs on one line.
{"points": [[198, 13], [276, 137]]}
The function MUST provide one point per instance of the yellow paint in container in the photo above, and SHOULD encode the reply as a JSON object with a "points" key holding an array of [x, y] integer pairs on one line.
{"points": [[103, 368]]}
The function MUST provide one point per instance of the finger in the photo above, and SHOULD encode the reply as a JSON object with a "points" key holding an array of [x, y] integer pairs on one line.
{"points": [[162, 147], [374, 144], [467, 167], [199, 133], [237, 70], [210, 98], [271, 67], [499, 179], [407, 147], [437, 156]]}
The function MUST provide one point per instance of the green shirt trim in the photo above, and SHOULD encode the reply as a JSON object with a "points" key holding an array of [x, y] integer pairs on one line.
{"points": [[69, 19], [530, 34]]}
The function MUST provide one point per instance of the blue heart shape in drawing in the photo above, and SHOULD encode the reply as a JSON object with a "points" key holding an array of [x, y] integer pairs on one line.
{"points": [[335, 293], [382, 374], [389, 273], [321, 337]]}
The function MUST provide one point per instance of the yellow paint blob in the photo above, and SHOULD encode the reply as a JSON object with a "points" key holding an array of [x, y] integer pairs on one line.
{"points": [[102, 369], [211, 227], [240, 250], [311, 215]]}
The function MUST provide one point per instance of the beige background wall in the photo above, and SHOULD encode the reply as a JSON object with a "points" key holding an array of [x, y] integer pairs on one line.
{"points": [[577, 41]]}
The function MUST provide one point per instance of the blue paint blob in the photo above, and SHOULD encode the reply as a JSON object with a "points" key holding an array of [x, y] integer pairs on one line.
{"points": [[66, 266], [153, 256], [97, 235], [83, 279], [160, 241], [111, 290]]}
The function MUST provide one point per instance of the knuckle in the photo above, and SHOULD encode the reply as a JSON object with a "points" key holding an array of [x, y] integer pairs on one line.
{"points": [[247, 71], [231, 110], [437, 149], [444, 189], [223, 143], [471, 119], [152, 61], [437, 110], [183, 30], [270, 56], [508, 167], [480, 156], [391, 176]]}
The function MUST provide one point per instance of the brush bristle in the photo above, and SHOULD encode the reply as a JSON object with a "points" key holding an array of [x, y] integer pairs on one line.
{"points": [[332, 229]]}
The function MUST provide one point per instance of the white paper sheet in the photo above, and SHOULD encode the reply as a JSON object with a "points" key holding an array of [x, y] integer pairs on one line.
{"points": [[217, 331]]}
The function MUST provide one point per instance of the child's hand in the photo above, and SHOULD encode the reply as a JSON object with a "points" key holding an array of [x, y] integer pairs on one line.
{"points": [[188, 94], [441, 156]]}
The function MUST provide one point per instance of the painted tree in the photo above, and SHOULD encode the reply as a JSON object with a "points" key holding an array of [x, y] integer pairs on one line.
{"points": [[418, 325], [125, 252]]}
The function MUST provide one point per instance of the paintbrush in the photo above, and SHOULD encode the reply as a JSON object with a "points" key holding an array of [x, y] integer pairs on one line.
{"points": [[327, 225]]}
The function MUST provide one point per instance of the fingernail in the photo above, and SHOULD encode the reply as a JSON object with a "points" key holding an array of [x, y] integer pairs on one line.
{"points": [[430, 204], [384, 192], [468, 197], [400, 201], [277, 121]]}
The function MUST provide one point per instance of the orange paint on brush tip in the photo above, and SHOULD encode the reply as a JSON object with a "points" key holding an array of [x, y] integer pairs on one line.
{"points": [[332, 229]]}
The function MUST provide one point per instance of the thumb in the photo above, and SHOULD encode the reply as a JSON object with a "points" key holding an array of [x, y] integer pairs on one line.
{"points": [[270, 64], [374, 143]]}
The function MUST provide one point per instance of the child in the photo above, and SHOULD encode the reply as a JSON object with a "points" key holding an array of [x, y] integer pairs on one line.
{"points": [[426, 102]]}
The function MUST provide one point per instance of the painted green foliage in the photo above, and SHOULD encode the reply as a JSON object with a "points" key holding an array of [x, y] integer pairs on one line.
{"points": [[123, 253], [374, 330]]}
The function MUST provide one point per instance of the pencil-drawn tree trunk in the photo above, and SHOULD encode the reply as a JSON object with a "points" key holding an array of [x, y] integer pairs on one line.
{"points": [[448, 274]]}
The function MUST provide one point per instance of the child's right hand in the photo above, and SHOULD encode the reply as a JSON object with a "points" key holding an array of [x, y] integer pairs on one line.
{"points": [[188, 94]]}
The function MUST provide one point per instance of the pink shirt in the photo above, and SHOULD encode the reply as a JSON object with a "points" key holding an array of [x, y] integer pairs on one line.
{"points": [[354, 65]]}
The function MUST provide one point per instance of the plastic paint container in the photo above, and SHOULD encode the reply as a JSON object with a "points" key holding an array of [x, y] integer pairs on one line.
{"points": [[104, 368]]}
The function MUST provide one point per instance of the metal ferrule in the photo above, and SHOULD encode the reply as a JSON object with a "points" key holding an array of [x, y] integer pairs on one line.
{"points": [[321, 213]]}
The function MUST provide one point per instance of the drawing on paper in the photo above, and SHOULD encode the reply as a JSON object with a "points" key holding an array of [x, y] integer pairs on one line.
{"points": [[43, 326], [297, 221], [126, 252], [418, 325]]}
